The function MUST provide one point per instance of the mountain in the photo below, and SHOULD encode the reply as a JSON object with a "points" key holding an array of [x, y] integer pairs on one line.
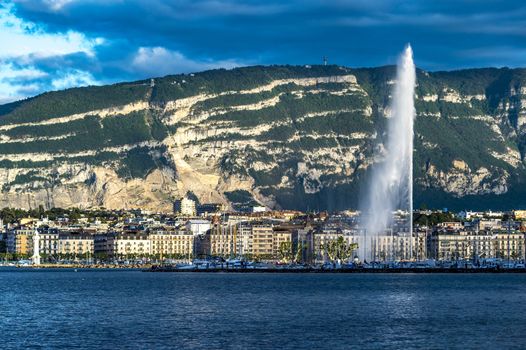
{"points": [[292, 137]]}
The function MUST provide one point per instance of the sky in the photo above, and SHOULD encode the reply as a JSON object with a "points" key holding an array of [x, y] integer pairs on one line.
{"points": [[57, 44]]}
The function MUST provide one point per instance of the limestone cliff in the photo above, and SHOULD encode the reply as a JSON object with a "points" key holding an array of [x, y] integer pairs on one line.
{"points": [[291, 137]]}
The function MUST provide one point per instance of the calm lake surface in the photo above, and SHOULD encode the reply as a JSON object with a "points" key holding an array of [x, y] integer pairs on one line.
{"points": [[94, 309]]}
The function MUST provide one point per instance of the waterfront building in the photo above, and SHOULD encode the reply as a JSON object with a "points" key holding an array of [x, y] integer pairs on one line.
{"points": [[20, 241], [243, 238], [75, 244], [261, 243], [223, 240], [49, 241], [281, 236], [179, 243], [122, 245], [131, 245], [457, 245], [202, 245], [103, 245], [509, 245], [467, 245], [421, 246], [320, 240], [394, 246]]}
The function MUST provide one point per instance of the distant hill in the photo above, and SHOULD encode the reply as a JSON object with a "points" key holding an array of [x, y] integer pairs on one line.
{"points": [[294, 137]]}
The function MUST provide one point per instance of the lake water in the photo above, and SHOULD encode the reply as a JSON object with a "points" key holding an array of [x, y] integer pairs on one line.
{"points": [[50, 309]]}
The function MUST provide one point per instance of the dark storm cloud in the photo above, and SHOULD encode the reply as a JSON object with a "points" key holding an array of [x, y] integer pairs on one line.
{"points": [[144, 38]]}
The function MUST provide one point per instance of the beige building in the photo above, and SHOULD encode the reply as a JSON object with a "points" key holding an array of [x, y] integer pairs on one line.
{"points": [[75, 244], [223, 240], [171, 243], [20, 241], [462, 245], [396, 247], [262, 240], [131, 244], [247, 238], [512, 244], [280, 236]]}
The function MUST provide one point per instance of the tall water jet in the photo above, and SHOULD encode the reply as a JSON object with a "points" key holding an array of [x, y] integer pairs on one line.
{"points": [[391, 186]]}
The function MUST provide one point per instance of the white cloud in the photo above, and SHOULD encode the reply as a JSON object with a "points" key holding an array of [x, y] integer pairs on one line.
{"points": [[73, 78], [19, 82], [19, 38], [8, 71], [24, 42], [157, 61], [13, 80], [56, 5]]}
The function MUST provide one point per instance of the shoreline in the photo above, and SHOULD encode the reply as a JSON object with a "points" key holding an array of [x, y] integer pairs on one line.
{"points": [[74, 266], [359, 271], [154, 268]]}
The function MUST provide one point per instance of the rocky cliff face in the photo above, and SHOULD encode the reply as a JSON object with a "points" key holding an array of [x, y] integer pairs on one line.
{"points": [[287, 137]]}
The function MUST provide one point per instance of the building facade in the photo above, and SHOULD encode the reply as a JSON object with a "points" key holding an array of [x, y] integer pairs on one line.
{"points": [[75, 244], [261, 243], [223, 240], [176, 244], [474, 245], [127, 245]]}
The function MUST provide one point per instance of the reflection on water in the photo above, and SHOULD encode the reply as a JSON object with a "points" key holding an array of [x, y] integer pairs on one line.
{"points": [[135, 310]]}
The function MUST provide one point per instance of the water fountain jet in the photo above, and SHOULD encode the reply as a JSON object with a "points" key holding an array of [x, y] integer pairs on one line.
{"points": [[391, 185]]}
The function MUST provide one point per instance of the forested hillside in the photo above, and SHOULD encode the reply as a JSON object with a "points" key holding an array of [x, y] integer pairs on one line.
{"points": [[299, 137]]}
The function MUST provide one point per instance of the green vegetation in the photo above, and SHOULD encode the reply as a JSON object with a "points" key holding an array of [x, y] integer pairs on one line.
{"points": [[285, 252], [30, 176], [140, 161], [465, 139], [338, 250], [12, 215], [296, 131], [72, 101], [292, 107], [90, 133], [221, 80], [241, 199], [433, 218]]}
